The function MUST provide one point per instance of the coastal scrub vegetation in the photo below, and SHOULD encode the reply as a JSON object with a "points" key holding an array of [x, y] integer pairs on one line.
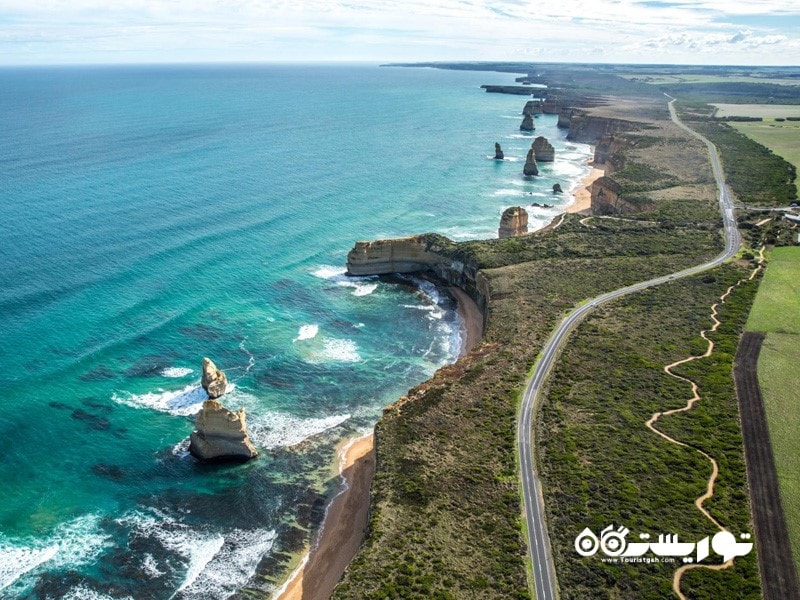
{"points": [[601, 465]]}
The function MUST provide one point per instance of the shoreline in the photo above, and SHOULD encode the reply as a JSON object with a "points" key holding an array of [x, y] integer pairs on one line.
{"points": [[582, 193], [346, 516], [343, 527]]}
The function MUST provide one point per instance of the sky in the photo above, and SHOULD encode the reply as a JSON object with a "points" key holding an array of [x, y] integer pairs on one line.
{"points": [[749, 32]]}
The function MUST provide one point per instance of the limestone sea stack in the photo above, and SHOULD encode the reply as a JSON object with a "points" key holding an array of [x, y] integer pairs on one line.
{"points": [[220, 434], [530, 168], [498, 152], [543, 150], [557, 188], [514, 222], [528, 108], [527, 124], [214, 381]]}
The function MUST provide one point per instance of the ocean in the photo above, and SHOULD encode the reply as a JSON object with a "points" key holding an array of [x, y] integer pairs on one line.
{"points": [[157, 215]]}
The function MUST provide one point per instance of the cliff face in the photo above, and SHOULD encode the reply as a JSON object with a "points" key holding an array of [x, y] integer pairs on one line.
{"points": [[608, 152], [220, 434], [607, 199], [514, 222], [588, 129], [423, 253]]}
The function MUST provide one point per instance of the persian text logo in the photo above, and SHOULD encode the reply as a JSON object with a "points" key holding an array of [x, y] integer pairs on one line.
{"points": [[613, 544]]}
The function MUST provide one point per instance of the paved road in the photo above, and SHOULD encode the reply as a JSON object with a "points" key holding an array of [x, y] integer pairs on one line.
{"points": [[538, 540]]}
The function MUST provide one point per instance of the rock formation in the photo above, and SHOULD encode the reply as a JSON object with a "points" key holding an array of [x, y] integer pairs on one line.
{"points": [[557, 188], [530, 168], [532, 107], [498, 152], [565, 117], [551, 105], [514, 222], [214, 381], [607, 199], [220, 434], [527, 124], [543, 150]]}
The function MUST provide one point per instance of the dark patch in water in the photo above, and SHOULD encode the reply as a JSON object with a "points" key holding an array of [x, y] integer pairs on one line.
{"points": [[112, 472], [59, 405], [99, 373], [149, 366], [203, 332], [92, 421]]}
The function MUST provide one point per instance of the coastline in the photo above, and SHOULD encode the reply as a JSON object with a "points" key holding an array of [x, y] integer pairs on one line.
{"points": [[346, 516], [582, 193], [343, 527]]}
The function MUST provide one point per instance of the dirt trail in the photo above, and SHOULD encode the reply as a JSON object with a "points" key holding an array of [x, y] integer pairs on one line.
{"points": [[676, 580]]}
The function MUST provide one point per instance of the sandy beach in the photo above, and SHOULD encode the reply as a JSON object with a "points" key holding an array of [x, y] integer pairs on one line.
{"points": [[472, 317], [583, 197], [342, 530]]}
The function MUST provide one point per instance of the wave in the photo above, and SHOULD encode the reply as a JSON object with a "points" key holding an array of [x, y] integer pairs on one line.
{"points": [[276, 430], [307, 332], [210, 564], [176, 372], [71, 544], [83, 592], [185, 402], [334, 350], [339, 276]]}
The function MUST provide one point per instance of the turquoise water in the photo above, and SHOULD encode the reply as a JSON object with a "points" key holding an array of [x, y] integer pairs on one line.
{"points": [[153, 216]]}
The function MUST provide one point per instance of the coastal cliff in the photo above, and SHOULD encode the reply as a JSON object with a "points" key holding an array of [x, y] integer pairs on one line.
{"points": [[427, 253], [607, 199], [513, 222]]}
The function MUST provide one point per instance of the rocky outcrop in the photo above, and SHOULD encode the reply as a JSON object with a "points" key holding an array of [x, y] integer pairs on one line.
{"points": [[220, 434], [422, 253], [557, 188], [607, 198], [520, 90], [531, 168], [543, 150], [551, 105], [214, 381], [565, 117], [532, 107], [527, 123], [588, 129], [498, 152], [609, 152], [514, 222]]}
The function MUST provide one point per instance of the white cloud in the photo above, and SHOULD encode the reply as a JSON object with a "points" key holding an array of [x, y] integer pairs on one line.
{"points": [[181, 30]]}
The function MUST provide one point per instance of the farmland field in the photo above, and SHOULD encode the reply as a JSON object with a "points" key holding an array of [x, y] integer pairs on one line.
{"points": [[777, 305], [782, 137], [779, 379], [766, 111]]}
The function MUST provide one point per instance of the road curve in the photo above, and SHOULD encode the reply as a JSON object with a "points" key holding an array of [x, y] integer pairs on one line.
{"points": [[539, 550]]}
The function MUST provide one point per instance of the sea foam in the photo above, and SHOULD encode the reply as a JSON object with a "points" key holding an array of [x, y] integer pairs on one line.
{"points": [[307, 332], [175, 372], [338, 275]]}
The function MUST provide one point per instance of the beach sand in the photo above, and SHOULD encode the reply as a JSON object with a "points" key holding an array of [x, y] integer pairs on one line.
{"points": [[472, 317], [583, 197], [342, 530]]}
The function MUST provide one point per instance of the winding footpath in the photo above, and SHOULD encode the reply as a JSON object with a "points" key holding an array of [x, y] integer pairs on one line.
{"points": [[709, 493], [539, 550]]}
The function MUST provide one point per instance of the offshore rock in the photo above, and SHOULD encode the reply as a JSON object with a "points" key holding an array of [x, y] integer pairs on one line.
{"points": [[498, 152], [532, 107], [514, 222], [557, 188], [530, 168], [527, 124], [214, 381], [220, 434], [543, 150]]}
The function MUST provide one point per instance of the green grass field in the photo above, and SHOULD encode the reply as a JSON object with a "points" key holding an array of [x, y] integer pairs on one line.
{"points": [[766, 111], [687, 78], [782, 137], [777, 306], [779, 378], [776, 311]]}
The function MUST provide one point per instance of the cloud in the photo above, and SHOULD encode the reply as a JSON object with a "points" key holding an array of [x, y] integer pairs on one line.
{"points": [[378, 30]]}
